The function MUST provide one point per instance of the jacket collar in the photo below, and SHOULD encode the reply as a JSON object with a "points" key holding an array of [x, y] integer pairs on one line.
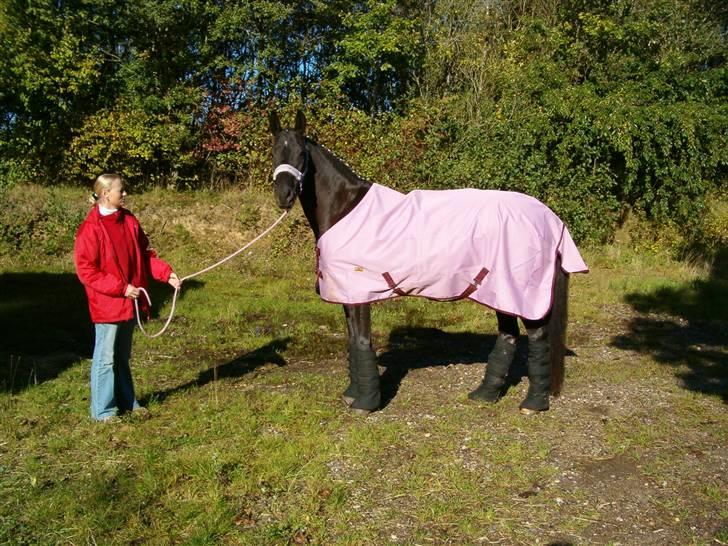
{"points": [[95, 215]]}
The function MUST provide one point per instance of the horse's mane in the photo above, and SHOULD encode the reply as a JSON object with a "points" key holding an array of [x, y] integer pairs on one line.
{"points": [[337, 161]]}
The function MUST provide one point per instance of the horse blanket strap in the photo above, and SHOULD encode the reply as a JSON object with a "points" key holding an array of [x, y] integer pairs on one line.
{"points": [[497, 248], [472, 285]]}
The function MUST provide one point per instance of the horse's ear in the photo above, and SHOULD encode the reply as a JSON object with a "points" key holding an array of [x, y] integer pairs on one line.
{"points": [[300, 122], [275, 124]]}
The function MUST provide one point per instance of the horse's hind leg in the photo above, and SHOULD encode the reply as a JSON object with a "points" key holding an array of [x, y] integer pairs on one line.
{"points": [[499, 360], [546, 348], [363, 392], [539, 366]]}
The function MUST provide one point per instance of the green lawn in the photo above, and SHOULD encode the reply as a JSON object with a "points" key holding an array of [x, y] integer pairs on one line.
{"points": [[248, 443]]}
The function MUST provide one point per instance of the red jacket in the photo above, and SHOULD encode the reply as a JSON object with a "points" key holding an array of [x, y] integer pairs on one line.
{"points": [[98, 268]]}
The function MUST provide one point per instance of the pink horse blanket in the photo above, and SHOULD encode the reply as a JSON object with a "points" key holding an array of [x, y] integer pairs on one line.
{"points": [[494, 247]]}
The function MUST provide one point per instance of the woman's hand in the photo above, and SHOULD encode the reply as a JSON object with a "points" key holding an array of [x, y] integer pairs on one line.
{"points": [[132, 292], [174, 281]]}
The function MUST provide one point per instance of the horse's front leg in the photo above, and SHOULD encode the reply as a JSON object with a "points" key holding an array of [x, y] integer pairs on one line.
{"points": [[363, 393]]}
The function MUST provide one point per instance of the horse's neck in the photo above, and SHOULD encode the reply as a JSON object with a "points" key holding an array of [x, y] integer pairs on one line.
{"points": [[331, 189]]}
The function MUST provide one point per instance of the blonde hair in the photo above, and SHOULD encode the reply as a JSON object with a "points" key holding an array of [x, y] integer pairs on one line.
{"points": [[103, 182]]}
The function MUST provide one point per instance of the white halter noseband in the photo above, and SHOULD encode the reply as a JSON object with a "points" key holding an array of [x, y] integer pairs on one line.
{"points": [[290, 169], [293, 171]]}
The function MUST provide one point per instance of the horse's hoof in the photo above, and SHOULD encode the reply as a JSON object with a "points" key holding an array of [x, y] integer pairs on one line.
{"points": [[480, 395], [360, 412], [348, 400], [528, 411]]}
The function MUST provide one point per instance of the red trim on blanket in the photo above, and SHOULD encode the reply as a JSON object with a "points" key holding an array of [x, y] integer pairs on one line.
{"points": [[390, 281], [439, 300], [473, 286]]}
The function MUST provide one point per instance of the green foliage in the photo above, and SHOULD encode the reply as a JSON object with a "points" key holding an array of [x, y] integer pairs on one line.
{"points": [[140, 146], [379, 48], [14, 171], [233, 148], [604, 110], [51, 75], [38, 220], [595, 107]]}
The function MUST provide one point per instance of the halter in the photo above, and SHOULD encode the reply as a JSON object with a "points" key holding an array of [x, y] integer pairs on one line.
{"points": [[293, 171], [290, 169]]}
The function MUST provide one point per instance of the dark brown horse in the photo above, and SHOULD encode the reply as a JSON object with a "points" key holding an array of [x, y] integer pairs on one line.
{"points": [[328, 191]]}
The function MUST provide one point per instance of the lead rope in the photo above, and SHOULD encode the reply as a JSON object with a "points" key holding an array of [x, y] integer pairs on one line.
{"points": [[177, 290]]}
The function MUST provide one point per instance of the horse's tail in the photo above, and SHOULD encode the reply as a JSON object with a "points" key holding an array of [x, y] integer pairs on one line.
{"points": [[557, 328]]}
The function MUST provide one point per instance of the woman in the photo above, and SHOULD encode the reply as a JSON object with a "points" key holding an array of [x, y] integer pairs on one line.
{"points": [[113, 261]]}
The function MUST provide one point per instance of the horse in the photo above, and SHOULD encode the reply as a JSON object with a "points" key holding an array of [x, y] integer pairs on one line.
{"points": [[505, 250]]}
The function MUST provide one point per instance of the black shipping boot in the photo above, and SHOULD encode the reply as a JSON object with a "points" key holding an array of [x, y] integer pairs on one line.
{"points": [[352, 391], [539, 372], [499, 362], [366, 381]]}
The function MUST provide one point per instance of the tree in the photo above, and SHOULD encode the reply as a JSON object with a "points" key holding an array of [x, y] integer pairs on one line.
{"points": [[53, 69], [378, 54]]}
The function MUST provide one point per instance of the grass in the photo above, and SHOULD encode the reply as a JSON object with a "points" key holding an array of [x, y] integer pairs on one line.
{"points": [[249, 444]]}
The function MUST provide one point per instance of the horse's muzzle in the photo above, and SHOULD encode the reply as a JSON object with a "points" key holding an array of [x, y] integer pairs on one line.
{"points": [[287, 202], [286, 196]]}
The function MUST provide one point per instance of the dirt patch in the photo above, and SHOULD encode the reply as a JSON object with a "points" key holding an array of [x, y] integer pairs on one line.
{"points": [[611, 474], [621, 504]]}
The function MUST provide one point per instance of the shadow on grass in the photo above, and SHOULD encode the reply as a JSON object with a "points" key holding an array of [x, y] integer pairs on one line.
{"points": [[411, 348], [686, 326], [46, 327], [270, 353]]}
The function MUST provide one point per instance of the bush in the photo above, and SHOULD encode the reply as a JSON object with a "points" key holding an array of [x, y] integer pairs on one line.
{"points": [[38, 220], [234, 148], [14, 171], [592, 116], [144, 148]]}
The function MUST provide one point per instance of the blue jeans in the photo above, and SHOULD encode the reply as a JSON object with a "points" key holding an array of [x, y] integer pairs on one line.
{"points": [[112, 389]]}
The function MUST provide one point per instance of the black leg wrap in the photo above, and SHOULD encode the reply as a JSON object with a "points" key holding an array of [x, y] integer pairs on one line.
{"points": [[499, 362], [366, 379], [539, 371], [352, 391]]}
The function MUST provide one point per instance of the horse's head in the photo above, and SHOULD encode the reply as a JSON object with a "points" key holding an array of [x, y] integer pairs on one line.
{"points": [[290, 159]]}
